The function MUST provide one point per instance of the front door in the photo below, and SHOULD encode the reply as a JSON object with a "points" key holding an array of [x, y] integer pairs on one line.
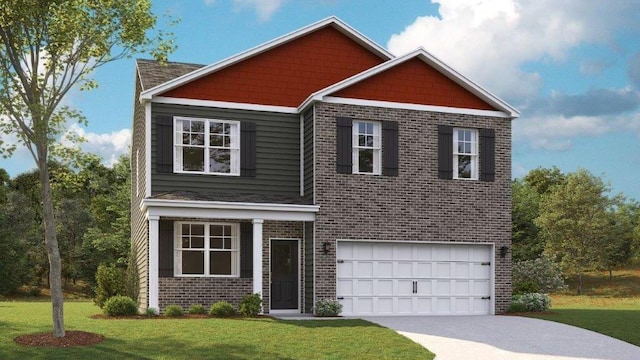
{"points": [[284, 274]]}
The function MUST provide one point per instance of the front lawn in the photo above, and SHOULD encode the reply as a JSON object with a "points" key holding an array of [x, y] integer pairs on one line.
{"points": [[609, 307], [262, 338]]}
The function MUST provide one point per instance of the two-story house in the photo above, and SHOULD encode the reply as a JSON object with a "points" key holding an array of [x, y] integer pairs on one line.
{"points": [[319, 165]]}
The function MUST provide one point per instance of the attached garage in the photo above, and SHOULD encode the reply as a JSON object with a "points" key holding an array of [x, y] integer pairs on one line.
{"points": [[412, 278]]}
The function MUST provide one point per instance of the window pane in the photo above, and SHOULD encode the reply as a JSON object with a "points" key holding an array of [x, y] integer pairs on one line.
{"points": [[197, 242], [467, 148], [193, 159], [185, 229], [217, 243], [197, 229], [369, 142], [365, 160], [193, 262], [464, 166], [369, 128], [197, 127], [216, 140], [186, 138], [220, 263], [197, 139], [216, 230], [362, 128], [219, 160], [185, 243], [182, 125], [215, 127], [227, 230], [460, 135], [467, 135], [362, 140], [227, 129]]}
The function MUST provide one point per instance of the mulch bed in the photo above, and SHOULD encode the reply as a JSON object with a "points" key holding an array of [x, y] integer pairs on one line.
{"points": [[71, 338], [155, 317]]}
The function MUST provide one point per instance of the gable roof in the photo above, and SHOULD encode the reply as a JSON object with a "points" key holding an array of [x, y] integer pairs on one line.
{"points": [[333, 22], [430, 60], [153, 73]]}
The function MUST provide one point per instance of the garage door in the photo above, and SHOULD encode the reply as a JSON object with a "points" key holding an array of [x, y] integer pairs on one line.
{"points": [[380, 278]]}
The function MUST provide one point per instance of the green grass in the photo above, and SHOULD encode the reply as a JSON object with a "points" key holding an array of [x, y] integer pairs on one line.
{"points": [[610, 308], [209, 338]]}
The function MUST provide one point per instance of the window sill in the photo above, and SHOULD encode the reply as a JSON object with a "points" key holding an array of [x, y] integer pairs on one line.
{"points": [[207, 276], [203, 173]]}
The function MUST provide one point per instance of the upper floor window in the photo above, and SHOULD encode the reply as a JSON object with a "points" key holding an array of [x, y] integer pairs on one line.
{"points": [[465, 154], [366, 148], [207, 146]]}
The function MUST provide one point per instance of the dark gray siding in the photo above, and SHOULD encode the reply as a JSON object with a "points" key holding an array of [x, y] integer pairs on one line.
{"points": [[308, 267], [277, 154], [308, 155]]}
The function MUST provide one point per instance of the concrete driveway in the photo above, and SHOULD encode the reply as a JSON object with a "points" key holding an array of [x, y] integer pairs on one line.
{"points": [[506, 337]]}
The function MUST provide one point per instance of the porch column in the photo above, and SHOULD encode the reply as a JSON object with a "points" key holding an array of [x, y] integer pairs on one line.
{"points": [[153, 261], [257, 256]]}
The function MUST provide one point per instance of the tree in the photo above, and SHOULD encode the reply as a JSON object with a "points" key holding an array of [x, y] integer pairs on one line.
{"points": [[543, 179], [48, 47], [619, 248], [573, 220], [527, 244]]}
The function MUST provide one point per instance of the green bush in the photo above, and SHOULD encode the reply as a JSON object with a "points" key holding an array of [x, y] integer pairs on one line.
{"points": [[328, 307], [174, 311], [110, 283], [197, 309], [250, 305], [151, 311], [120, 306], [222, 309], [539, 275], [532, 302]]}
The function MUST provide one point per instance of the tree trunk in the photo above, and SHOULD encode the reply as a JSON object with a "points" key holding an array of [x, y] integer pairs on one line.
{"points": [[580, 284], [610, 276], [51, 243]]}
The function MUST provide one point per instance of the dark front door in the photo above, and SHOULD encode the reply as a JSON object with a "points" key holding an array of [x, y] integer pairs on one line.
{"points": [[284, 274]]}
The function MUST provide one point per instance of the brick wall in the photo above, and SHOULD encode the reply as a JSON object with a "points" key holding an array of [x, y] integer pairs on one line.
{"points": [[416, 205]]}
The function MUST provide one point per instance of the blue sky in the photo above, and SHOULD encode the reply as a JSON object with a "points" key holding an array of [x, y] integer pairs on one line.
{"points": [[571, 67]]}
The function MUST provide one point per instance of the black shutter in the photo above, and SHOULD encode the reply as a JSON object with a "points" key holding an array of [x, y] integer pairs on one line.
{"points": [[246, 250], [487, 155], [164, 144], [389, 148], [445, 152], [343, 145], [165, 248], [247, 149]]}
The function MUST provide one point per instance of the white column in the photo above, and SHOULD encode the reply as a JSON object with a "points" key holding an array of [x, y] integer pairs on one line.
{"points": [[257, 256], [153, 261]]}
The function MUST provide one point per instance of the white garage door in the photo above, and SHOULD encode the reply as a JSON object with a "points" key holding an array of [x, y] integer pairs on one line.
{"points": [[383, 278]]}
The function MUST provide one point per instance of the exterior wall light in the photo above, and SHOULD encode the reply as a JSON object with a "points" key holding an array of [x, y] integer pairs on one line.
{"points": [[326, 247], [503, 251]]}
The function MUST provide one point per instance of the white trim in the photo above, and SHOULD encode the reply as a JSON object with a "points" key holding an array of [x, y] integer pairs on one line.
{"points": [[507, 110], [153, 258], [418, 107], [492, 281], [475, 156], [330, 21], [439, 242], [314, 157], [313, 268], [223, 205], [376, 148], [301, 155], [300, 282], [137, 172], [147, 152], [257, 257], [224, 105]]}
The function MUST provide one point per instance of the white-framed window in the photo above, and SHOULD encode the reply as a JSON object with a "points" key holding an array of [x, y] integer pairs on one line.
{"points": [[367, 148], [207, 249], [465, 154], [206, 146]]}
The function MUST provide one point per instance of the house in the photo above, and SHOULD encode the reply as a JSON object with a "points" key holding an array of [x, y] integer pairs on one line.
{"points": [[318, 165]]}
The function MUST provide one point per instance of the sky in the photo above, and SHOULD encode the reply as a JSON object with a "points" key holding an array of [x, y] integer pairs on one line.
{"points": [[571, 67]]}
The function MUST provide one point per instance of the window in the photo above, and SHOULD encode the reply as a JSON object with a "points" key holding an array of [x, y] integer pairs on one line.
{"points": [[207, 146], [366, 147], [207, 249], [465, 154]]}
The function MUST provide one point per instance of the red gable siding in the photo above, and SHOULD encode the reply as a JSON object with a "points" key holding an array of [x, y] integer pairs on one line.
{"points": [[414, 82], [285, 75]]}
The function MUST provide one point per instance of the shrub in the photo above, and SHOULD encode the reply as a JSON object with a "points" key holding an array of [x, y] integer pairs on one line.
{"points": [[110, 282], [151, 311], [174, 311], [532, 302], [120, 306], [222, 309], [250, 305], [539, 275], [197, 309], [328, 307]]}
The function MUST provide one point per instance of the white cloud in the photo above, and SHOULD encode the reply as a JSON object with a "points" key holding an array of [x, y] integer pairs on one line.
{"points": [[556, 133], [109, 146], [491, 40], [263, 8]]}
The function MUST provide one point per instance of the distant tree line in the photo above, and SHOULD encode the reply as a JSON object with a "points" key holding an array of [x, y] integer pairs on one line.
{"points": [[575, 221], [92, 217]]}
